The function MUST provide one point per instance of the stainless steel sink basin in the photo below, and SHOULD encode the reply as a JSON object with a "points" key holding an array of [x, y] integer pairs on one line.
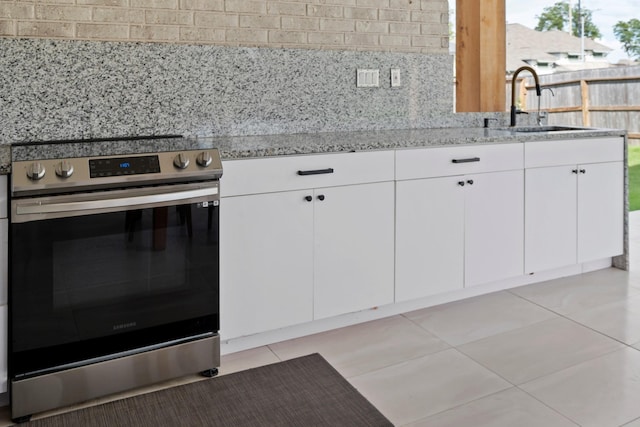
{"points": [[532, 129]]}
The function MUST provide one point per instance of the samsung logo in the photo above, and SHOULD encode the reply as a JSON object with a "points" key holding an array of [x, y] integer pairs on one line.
{"points": [[124, 326]]}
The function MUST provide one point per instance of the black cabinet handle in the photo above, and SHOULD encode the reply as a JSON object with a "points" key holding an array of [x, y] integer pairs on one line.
{"points": [[461, 183], [315, 172], [308, 198], [574, 171], [583, 171], [469, 160], [470, 182], [321, 197]]}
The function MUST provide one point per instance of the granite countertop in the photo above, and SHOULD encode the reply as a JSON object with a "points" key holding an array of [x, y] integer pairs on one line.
{"points": [[238, 147]]}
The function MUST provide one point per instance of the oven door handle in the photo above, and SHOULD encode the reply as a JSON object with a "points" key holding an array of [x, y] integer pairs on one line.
{"points": [[109, 205]]}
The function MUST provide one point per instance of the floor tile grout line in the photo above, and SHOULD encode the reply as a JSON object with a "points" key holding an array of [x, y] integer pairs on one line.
{"points": [[550, 407]]}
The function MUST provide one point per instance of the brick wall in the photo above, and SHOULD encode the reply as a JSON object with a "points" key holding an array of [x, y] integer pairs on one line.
{"points": [[387, 25]]}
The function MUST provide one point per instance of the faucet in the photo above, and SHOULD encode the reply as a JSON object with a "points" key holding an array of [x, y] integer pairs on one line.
{"points": [[540, 115], [514, 111]]}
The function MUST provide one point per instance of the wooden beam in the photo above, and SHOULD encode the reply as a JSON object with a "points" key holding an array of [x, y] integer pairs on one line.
{"points": [[480, 55]]}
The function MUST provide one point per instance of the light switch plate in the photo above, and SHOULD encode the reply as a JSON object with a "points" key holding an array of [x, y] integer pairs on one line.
{"points": [[368, 78], [395, 77]]}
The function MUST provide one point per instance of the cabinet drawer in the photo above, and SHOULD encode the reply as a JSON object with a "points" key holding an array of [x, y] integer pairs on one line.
{"points": [[446, 161], [573, 151], [252, 176]]}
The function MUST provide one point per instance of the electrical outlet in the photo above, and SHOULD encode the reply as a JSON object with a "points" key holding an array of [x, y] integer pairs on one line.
{"points": [[368, 78], [395, 77]]}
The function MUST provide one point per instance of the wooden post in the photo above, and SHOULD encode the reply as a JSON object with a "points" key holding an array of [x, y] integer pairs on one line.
{"points": [[584, 91], [480, 55]]}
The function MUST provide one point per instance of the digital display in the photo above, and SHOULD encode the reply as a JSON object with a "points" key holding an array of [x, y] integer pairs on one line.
{"points": [[119, 166]]}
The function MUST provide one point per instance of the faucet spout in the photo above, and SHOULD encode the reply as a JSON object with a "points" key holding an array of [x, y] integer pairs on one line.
{"points": [[514, 110]]}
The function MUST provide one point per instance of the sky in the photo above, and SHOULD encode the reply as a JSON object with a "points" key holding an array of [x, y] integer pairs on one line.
{"points": [[606, 13]]}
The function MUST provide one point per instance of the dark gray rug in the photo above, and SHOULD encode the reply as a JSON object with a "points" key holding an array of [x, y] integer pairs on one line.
{"points": [[302, 392]]}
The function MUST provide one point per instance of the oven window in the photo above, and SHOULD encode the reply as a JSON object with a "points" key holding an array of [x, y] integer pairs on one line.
{"points": [[81, 278]]}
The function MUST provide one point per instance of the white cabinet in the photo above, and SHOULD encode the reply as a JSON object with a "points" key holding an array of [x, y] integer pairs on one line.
{"points": [[4, 282], [494, 227], [459, 230], [429, 237], [323, 247], [574, 205], [353, 248], [266, 262]]}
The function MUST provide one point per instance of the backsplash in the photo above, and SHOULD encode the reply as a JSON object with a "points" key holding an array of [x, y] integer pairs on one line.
{"points": [[69, 89]]}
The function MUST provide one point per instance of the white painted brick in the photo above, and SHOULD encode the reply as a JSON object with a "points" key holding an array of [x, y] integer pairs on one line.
{"points": [[168, 17], [422, 16], [209, 5], [278, 8], [395, 40], [434, 29], [113, 14], [7, 28], [245, 6], [365, 39], [394, 15], [426, 41], [62, 13], [324, 11], [103, 31], [117, 3], [404, 4], [326, 38], [195, 34], [155, 32], [337, 25], [366, 13], [287, 37], [299, 23], [247, 35], [259, 21], [154, 4], [404, 28], [372, 27], [16, 11], [373, 3], [215, 20]]}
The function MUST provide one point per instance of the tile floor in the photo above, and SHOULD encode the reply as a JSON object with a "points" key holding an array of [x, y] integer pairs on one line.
{"points": [[559, 353]]}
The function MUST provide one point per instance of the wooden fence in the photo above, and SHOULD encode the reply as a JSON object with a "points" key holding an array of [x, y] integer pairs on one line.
{"points": [[607, 98]]}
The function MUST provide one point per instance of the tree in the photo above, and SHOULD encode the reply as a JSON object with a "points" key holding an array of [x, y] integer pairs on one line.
{"points": [[556, 17], [628, 33]]}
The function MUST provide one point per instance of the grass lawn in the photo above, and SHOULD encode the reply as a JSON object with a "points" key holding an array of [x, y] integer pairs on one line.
{"points": [[634, 178]]}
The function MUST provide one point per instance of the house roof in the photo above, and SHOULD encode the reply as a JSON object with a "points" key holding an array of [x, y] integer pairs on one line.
{"points": [[524, 44]]}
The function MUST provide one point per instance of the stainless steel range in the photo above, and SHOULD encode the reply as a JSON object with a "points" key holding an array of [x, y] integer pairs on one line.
{"points": [[114, 279]]}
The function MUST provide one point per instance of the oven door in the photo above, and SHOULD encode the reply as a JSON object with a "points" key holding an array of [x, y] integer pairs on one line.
{"points": [[108, 273]]}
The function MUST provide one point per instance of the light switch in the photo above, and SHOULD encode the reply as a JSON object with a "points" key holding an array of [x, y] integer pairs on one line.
{"points": [[367, 78], [395, 77]]}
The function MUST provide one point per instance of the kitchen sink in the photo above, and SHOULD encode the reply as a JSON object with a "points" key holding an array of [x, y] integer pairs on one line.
{"points": [[533, 129]]}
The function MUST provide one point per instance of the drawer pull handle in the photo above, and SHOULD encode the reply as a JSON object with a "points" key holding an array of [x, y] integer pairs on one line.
{"points": [[315, 172], [469, 160]]}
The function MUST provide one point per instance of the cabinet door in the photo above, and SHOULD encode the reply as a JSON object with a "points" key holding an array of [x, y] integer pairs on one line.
{"points": [[494, 227], [550, 218], [429, 237], [266, 262], [600, 210], [353, 244]]}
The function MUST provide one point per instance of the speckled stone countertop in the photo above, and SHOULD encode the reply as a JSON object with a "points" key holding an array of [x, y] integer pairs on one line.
{"points": [[238, 147]]}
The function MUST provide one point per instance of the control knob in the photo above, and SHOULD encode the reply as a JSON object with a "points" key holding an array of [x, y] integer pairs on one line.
{"points": [[35, 171], [64, 169], [181, 161], [204, 159]]}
